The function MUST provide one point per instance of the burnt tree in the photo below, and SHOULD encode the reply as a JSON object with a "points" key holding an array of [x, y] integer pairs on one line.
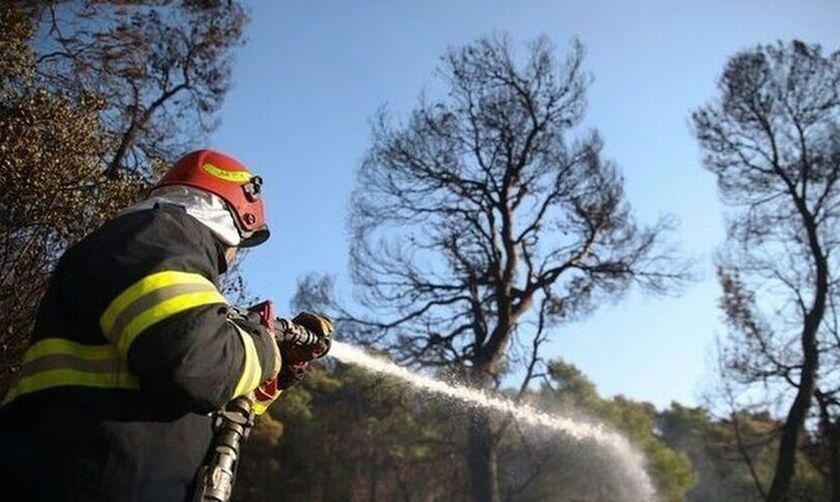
{"points": [[162, 68], [480, 223], [773, 141]]}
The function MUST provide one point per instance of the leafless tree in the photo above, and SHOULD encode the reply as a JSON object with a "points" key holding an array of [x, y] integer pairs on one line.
{"points": [[827, 396], [161, 66], [773, 140], [481, 221]]}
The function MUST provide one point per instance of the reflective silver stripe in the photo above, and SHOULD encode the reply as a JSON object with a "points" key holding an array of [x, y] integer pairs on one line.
{"points": [[148, 301], [58, 362], [65, 361]]}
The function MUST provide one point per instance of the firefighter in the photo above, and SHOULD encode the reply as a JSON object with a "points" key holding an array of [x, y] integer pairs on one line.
{"points": [[134, 346]]}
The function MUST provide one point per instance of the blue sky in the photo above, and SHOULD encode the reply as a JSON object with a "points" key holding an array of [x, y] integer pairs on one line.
{"points": [[313, 73]]}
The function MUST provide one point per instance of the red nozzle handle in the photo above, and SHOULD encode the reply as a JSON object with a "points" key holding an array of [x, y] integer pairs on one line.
{"points": [[266, 311]]}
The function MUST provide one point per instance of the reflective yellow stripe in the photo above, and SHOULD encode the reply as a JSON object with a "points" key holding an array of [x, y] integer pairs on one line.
{"points": [[57, 362], [251, 368], [163, 310], [143, 287], [54, 346], [153, 299], [64, 377]]}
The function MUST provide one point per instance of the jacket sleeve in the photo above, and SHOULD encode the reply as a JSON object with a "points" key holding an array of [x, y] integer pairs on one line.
{"points": [[170, 322]]}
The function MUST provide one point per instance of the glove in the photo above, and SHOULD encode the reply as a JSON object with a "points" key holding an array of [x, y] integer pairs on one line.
{"points": [[306, 338], [319, 325]]}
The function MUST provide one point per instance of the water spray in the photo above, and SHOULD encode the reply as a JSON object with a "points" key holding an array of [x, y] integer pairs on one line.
{"points": [[525, 414]]}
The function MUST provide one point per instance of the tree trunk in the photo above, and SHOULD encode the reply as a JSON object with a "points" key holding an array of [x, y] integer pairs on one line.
{"points": [[484, 481], [788, 445], [833, 440]]}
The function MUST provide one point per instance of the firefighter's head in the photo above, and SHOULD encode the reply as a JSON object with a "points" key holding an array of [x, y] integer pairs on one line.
{"points": [[229, 180]]}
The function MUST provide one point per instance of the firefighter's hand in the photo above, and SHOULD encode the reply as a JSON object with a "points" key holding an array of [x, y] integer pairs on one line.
{"points": [[320, 325], [308, 339]]}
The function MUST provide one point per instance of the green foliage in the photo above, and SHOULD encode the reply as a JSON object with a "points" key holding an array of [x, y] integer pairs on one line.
{"points": [[671, 471], [590, 474], [348, 435], [692, 432], [733, 457]]}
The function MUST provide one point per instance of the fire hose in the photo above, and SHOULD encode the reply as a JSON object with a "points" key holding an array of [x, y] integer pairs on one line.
{"points": [[233, 423]]}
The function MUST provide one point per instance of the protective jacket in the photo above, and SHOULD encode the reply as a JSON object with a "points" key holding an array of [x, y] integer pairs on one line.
{"points": [[133, 348]]}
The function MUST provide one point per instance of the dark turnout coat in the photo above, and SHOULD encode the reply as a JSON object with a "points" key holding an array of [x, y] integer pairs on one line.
{"points": [[132, 350]]}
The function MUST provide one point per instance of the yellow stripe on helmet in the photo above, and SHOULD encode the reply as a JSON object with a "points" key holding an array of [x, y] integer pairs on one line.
{"points": [[239, 177]]}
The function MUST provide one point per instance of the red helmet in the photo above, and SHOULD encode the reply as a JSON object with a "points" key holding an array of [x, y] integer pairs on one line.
{"points": [[224, 176]]}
